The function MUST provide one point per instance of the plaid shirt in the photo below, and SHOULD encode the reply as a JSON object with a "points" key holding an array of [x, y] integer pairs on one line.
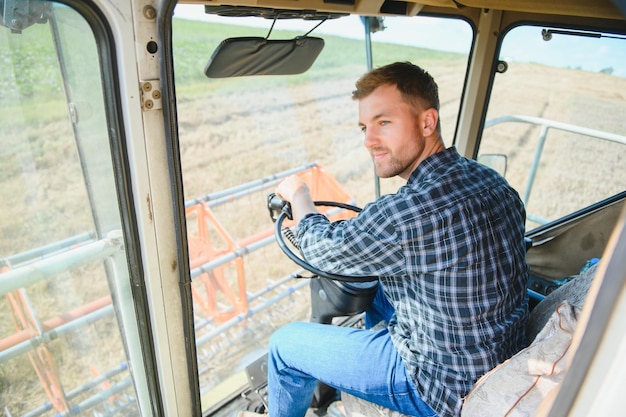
{"points": [[449, 250]]}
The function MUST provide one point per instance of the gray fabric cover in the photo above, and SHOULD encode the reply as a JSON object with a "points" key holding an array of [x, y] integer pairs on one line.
{"points": [[575, 291]]}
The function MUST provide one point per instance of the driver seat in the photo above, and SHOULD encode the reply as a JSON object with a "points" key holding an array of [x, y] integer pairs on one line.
{"points": [[356, 407], [573, 292]]}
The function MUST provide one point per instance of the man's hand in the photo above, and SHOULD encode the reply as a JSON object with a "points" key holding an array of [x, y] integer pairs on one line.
{"points": [[294, 190], [291, 186]]}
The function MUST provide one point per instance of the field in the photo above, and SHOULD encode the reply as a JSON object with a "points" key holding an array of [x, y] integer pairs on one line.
{"points": [[235, 131]]}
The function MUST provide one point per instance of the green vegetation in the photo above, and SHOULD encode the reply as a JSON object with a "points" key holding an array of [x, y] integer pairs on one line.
{"points": [[34, 66], [32, 84], [339, 57]]}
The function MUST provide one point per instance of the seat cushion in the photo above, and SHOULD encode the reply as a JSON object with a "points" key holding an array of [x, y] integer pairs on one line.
{"points": [[356, 407]]}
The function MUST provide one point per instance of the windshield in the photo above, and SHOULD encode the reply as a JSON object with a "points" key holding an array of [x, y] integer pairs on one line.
{"points": [[240, 136]]}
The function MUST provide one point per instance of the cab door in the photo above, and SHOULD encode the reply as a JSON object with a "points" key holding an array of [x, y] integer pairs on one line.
{"points": [[89, 281]]}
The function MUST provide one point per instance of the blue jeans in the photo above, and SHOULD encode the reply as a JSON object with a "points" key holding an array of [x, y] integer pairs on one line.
{"points": [[363, 363]]}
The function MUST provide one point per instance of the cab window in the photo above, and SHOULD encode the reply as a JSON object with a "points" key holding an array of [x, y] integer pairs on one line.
{"points": [[69, 334], [556, 114]]}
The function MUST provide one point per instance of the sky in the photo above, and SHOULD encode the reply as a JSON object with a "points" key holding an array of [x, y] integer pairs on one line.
{"points": [[352, 27], [521, 45]]}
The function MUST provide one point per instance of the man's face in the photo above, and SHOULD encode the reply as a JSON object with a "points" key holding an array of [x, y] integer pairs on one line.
{"points": [[392, 133]]}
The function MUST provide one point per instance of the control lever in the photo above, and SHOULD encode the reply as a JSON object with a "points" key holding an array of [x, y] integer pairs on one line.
{"points": [[276, 207]]}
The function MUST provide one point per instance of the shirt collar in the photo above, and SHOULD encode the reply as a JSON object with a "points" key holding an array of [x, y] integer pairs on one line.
{"points": [[436, 162]]}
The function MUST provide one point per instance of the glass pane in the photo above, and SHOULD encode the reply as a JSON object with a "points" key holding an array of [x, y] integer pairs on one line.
{"points": [[570, 152], [239, 136], [61, 246]]}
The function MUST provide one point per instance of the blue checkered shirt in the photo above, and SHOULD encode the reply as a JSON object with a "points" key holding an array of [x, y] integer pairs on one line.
{"points": [[449, 250]]}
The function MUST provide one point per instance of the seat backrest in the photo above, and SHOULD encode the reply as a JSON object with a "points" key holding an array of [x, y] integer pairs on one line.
{"points": [[574, 291], [519, 385]]}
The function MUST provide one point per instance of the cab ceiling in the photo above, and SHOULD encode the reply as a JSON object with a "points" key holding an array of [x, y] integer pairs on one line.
{"points": [[605, 9]]}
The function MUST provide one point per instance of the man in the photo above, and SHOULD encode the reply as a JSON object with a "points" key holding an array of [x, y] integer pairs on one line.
{"points": [[448, 248]]}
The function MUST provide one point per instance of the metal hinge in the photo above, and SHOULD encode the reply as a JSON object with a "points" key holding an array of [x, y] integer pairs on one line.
{"points": [[20, 14]]}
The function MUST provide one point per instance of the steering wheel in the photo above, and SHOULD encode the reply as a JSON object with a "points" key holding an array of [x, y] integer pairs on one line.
{"points": [[281, 210]]}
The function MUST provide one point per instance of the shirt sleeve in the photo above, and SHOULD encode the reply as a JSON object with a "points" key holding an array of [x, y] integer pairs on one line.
{"points": [[366, 245]]}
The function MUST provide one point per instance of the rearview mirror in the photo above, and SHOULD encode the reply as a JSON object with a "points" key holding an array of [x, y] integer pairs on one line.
{"points": [[238, 57]]}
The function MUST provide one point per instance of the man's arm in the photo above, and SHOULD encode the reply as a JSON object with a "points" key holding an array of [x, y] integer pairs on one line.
{"points": [[294, 190]]}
